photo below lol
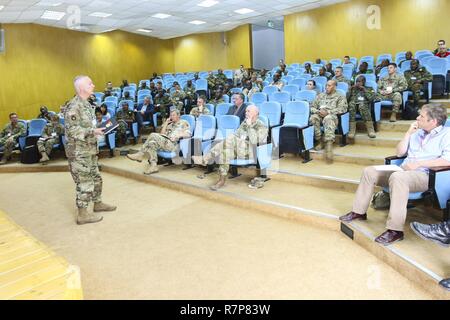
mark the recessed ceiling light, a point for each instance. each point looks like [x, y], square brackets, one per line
[197, 22]
[144, 30]
[207, 3]
[53, 15]
[100, 14]
[244, 11]
[226, 22]
[161, 15]
[1, 7]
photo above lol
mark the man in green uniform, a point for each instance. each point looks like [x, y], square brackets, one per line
[390, 88]
[10, 136]
[416, 78]
[81, 151]
[360, 99]
[50, 136]
[125, 118]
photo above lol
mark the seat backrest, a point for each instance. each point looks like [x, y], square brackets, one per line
[292, 89]
[228, 74]
[222, 108]
[384, 56]
[383, 72]
[372, 84]
[342, 86]
[258, 98]
[348, 73]
[210, 107]
[297, 113]
[341, 92]
[271, 110]
[144, 92]
[132, 93]
[288, 78]
[306, 95]
[226, 125]
[270, 89]
[336, 61]
[201, 84]
[236, 90]
[281, 97]
[226, 98]
[36, 126]
[406, 65]
[368, 59]
[437, 66]
[300, 82]
[191, 120]
[130, 104]
[321, 80]
[205, 127]
[318, 87]
[112, 99]
[369, 77]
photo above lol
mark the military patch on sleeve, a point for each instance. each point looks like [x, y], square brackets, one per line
[73, 117]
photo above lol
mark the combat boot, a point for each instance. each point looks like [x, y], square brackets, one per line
[85, 217]
[370, 129]
[329, 152]
[219, 184]
[352, 132]
[44, 158]
[136, 156]
[319, 145]
[393, 117]
[151, 168]
[101, 206]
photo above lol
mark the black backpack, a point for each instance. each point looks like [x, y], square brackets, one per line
[411, 111]
[30, 153]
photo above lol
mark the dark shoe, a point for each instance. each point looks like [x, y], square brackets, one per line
[389, 237]
[353, 216]
[438, 233]
[445, 283]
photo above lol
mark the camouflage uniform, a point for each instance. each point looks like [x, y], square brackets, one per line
[50, 137]
[177, 98]
[211, 81]
[81, 151]
[359, 73]
[360, 101]
[124, 118]
[422, 75]
[335, 104]
[158, 141]
[164, 103]
[9, 137]
[343, 79]
[190, 92]
[238, 145]
[196, 111]
[221, 79]
[398, 84]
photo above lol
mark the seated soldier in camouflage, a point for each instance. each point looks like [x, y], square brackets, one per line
[324, 111]
[363, 69]
[390, 88]
[125, 118]
[172, 131]
[417, 78]
[384, 63]
[190, 95]
[50, 136]
[408, 57]
[211, 79]
[43, 114]
[329, 69]
[177, 97]
[323, 73]
[218, 97]
[162, 103]
[360, 99]
[221, 78]
[201, 108]
[309, 70]
[239, 145]
[339, 76]
[9, 136]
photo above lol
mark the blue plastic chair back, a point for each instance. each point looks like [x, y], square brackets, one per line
[201, 84]
[227, 125]
[292, 89]
[236, 90]
[297, 114]
[300, 82]
[36, 127]
[272, 110]
[210, 107]
[282, 97]
[222, 109]
[306, 95]
[383, 72]
[437, 66]
[270, 89]
[191, 120]
[288, 79]
[226, 98]
[258, 98]
[384, 56]
[373, 85]
[228, 74]
[321, 80]
[343, 86]
[205, 127]
[130, 104]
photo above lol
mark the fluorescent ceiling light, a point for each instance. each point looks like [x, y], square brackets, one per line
[1, 7]
[48, 3]
[100, 14]
[144, 30]
[197, 22]
[208, 3]
[226, 22]
[53, 15]
[161, 15]
[244, 11]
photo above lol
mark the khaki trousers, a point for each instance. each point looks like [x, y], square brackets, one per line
[400, 184]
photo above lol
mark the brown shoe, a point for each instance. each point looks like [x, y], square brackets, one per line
[389, 237]
[393, 117]
[353, 216]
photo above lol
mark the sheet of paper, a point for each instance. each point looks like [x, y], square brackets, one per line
[389, 167]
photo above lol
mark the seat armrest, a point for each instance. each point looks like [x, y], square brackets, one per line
[389, 160]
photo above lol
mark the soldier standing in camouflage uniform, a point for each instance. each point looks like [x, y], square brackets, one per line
[361, 98]
[200, 109]
[324, 110]
[162, 104]
[177, 98]
[50, 136]
[81, 151]
[172, 131]
[125, 118]
[10, 135]
[416, 78]
[238, 145]
[390, 88]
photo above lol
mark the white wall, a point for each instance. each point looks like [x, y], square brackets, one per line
[268, 47]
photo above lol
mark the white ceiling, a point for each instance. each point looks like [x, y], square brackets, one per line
[131, 15]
